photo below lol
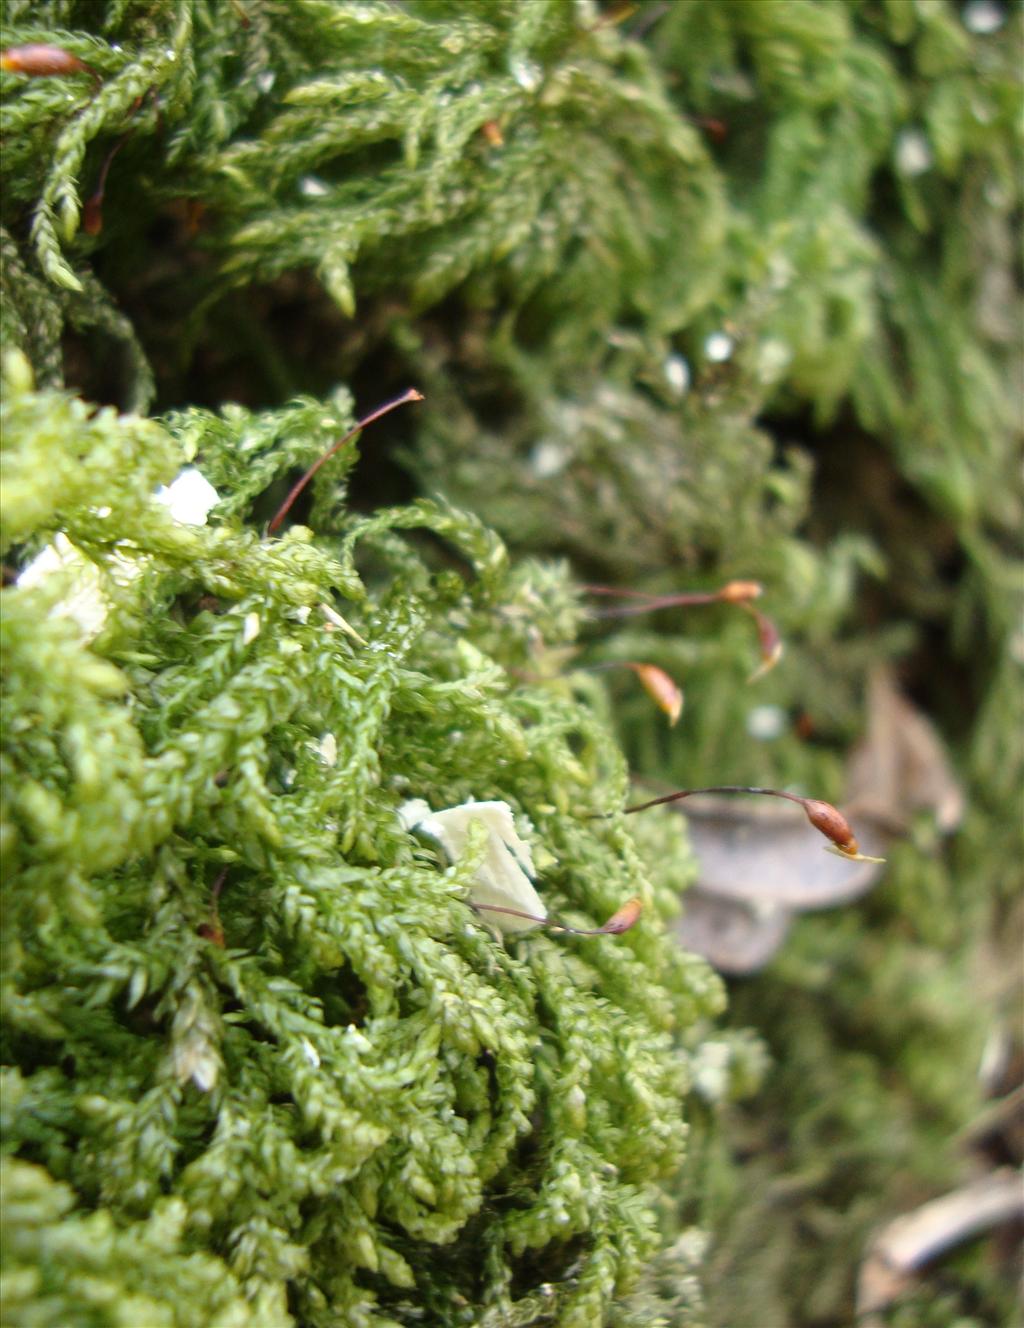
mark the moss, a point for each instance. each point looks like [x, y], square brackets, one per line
[353, 1098]
[694, 291]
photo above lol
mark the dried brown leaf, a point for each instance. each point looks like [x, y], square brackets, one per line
[902, 766]
[902, 1247]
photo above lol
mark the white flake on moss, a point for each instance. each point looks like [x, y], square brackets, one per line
[85, 602]
[188, 499]
[503, 879]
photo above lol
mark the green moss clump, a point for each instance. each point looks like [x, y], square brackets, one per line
[335, 1095]
[63, 1266]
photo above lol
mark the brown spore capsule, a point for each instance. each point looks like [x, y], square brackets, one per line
[40, 61]
[832, 824]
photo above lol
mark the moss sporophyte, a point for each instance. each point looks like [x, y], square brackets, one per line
[823, 816]
[39, 61]
[410, 395]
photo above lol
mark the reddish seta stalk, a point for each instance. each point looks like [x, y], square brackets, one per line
[297, 488]
[92, 211]
[739, 593]
[213, 930]
[620, 921]
[825, 818]
[733, 592]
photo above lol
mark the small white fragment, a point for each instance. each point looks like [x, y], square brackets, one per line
[56, 556]
[416, 815]
[190, 497]
[765, 722]
[311, 186]
[718, 347]
[710, 1068]
[194, 1058]
[338, 621]
[353, 1036]
[250, 628]
[983, 17]
[503, 879]
[310, 1052]
[328, 749]
[913, 153]
[995, 1057]
[85, 603]
[301, 614]
[548, 459]
[265, 80]
[103, 512]
[677, 374]
[773, 358]
[204, 1073]
[526, 74]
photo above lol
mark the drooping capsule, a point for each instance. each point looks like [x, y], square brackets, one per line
[39, 61]
[661, 688]
[769, 641]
